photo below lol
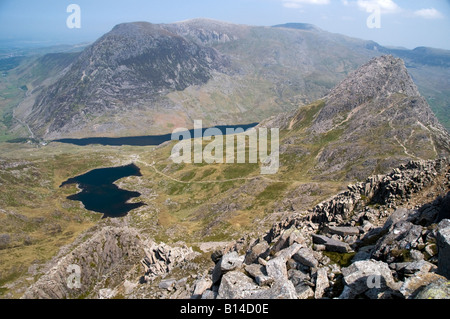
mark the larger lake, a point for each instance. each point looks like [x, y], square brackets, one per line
[101, 195]
[150, 140]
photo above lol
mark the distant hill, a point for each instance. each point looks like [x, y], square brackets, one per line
[142, 78]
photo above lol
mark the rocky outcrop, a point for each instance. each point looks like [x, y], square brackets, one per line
[110, 251]
[353, 249]
[104, 259]
[161, 258]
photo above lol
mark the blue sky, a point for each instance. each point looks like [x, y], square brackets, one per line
[407, 23]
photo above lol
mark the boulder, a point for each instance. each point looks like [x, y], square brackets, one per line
[228, 262]
[200, 287]
[443, 243]
[305, 256]
[397, 216]
[363, 276]
[342, 231]
[276, 268]
[322, 283]
[283, 240]
[260, 250]
[259, 273]
[283, 289]
[402, 237]
[287, 253]
[236, 285]
[421, 266]
[167, 284]
[413, 286]
[439, 289]
[331, 244]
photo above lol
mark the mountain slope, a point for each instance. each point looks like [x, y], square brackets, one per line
[142, 78]
[374, 119]
[381, 121]
[130, 67]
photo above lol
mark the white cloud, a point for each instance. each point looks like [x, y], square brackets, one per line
[295, 4]
[431, 13]
[385, 6]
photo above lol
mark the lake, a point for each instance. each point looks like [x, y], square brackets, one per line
[150, 140]
[101, 195]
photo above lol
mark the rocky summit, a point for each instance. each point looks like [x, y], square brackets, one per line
[377, 110]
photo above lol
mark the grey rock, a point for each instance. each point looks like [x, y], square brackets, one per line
[416, 255]
[288, 252]
[413, 286]
[282, 289]
[264, 280]
[364, 253]
[439, 289]
[322, 283]
[260, 250]
[167, 284]
[402, 237]
[399, 215]
[228, 262]
[331, 244]
[418, 266]
[259, 273]
[443, 243]
[283, 240]
[319, 247]
[231, 261]
[306, 257]
[209, 294]
[200, 287]
[298, 277]
[342, 231]
[111, 249]
[5, 239]
[304, 292]
[362, 276]
[276, 268]
[236, 285]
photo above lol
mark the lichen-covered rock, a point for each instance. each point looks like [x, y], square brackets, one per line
[415, 287]
[362, 276]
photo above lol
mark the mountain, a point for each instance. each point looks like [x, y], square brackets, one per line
[129, 67]
[142, 78]
[372, 120]
[224, 230]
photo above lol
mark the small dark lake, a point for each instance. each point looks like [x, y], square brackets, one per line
[99, 194]
[150, 140]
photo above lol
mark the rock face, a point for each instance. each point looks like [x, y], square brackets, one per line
[107, 253]
[368, 277]
[161, 258]
[132, 65]
[104, 260]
